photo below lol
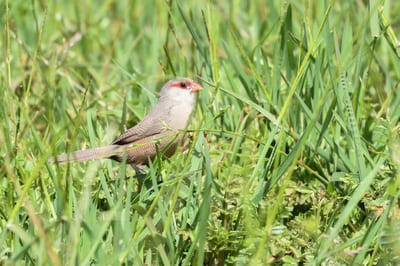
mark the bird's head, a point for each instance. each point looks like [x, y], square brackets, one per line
[180, 89]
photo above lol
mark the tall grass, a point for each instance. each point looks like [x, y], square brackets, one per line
[294, 143]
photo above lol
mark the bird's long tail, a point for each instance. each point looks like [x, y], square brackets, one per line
[85, 155]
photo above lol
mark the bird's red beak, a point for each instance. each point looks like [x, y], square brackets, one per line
[195, 87]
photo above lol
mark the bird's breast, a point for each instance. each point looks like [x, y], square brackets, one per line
[179, 115]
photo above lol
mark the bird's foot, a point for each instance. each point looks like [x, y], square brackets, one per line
[140, 171]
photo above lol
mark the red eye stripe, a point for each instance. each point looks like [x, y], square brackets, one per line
[179, 83]
[192, 86]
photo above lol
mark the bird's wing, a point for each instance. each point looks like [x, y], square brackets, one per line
[156, 121]
[149, 126]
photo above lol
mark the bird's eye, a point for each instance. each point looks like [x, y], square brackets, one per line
[183, 85]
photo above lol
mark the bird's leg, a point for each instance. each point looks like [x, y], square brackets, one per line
[141, 174]
[140, 171]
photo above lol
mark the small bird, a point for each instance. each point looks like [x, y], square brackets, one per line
[157, 132]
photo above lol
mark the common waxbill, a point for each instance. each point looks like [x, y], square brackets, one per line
[157, 132]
